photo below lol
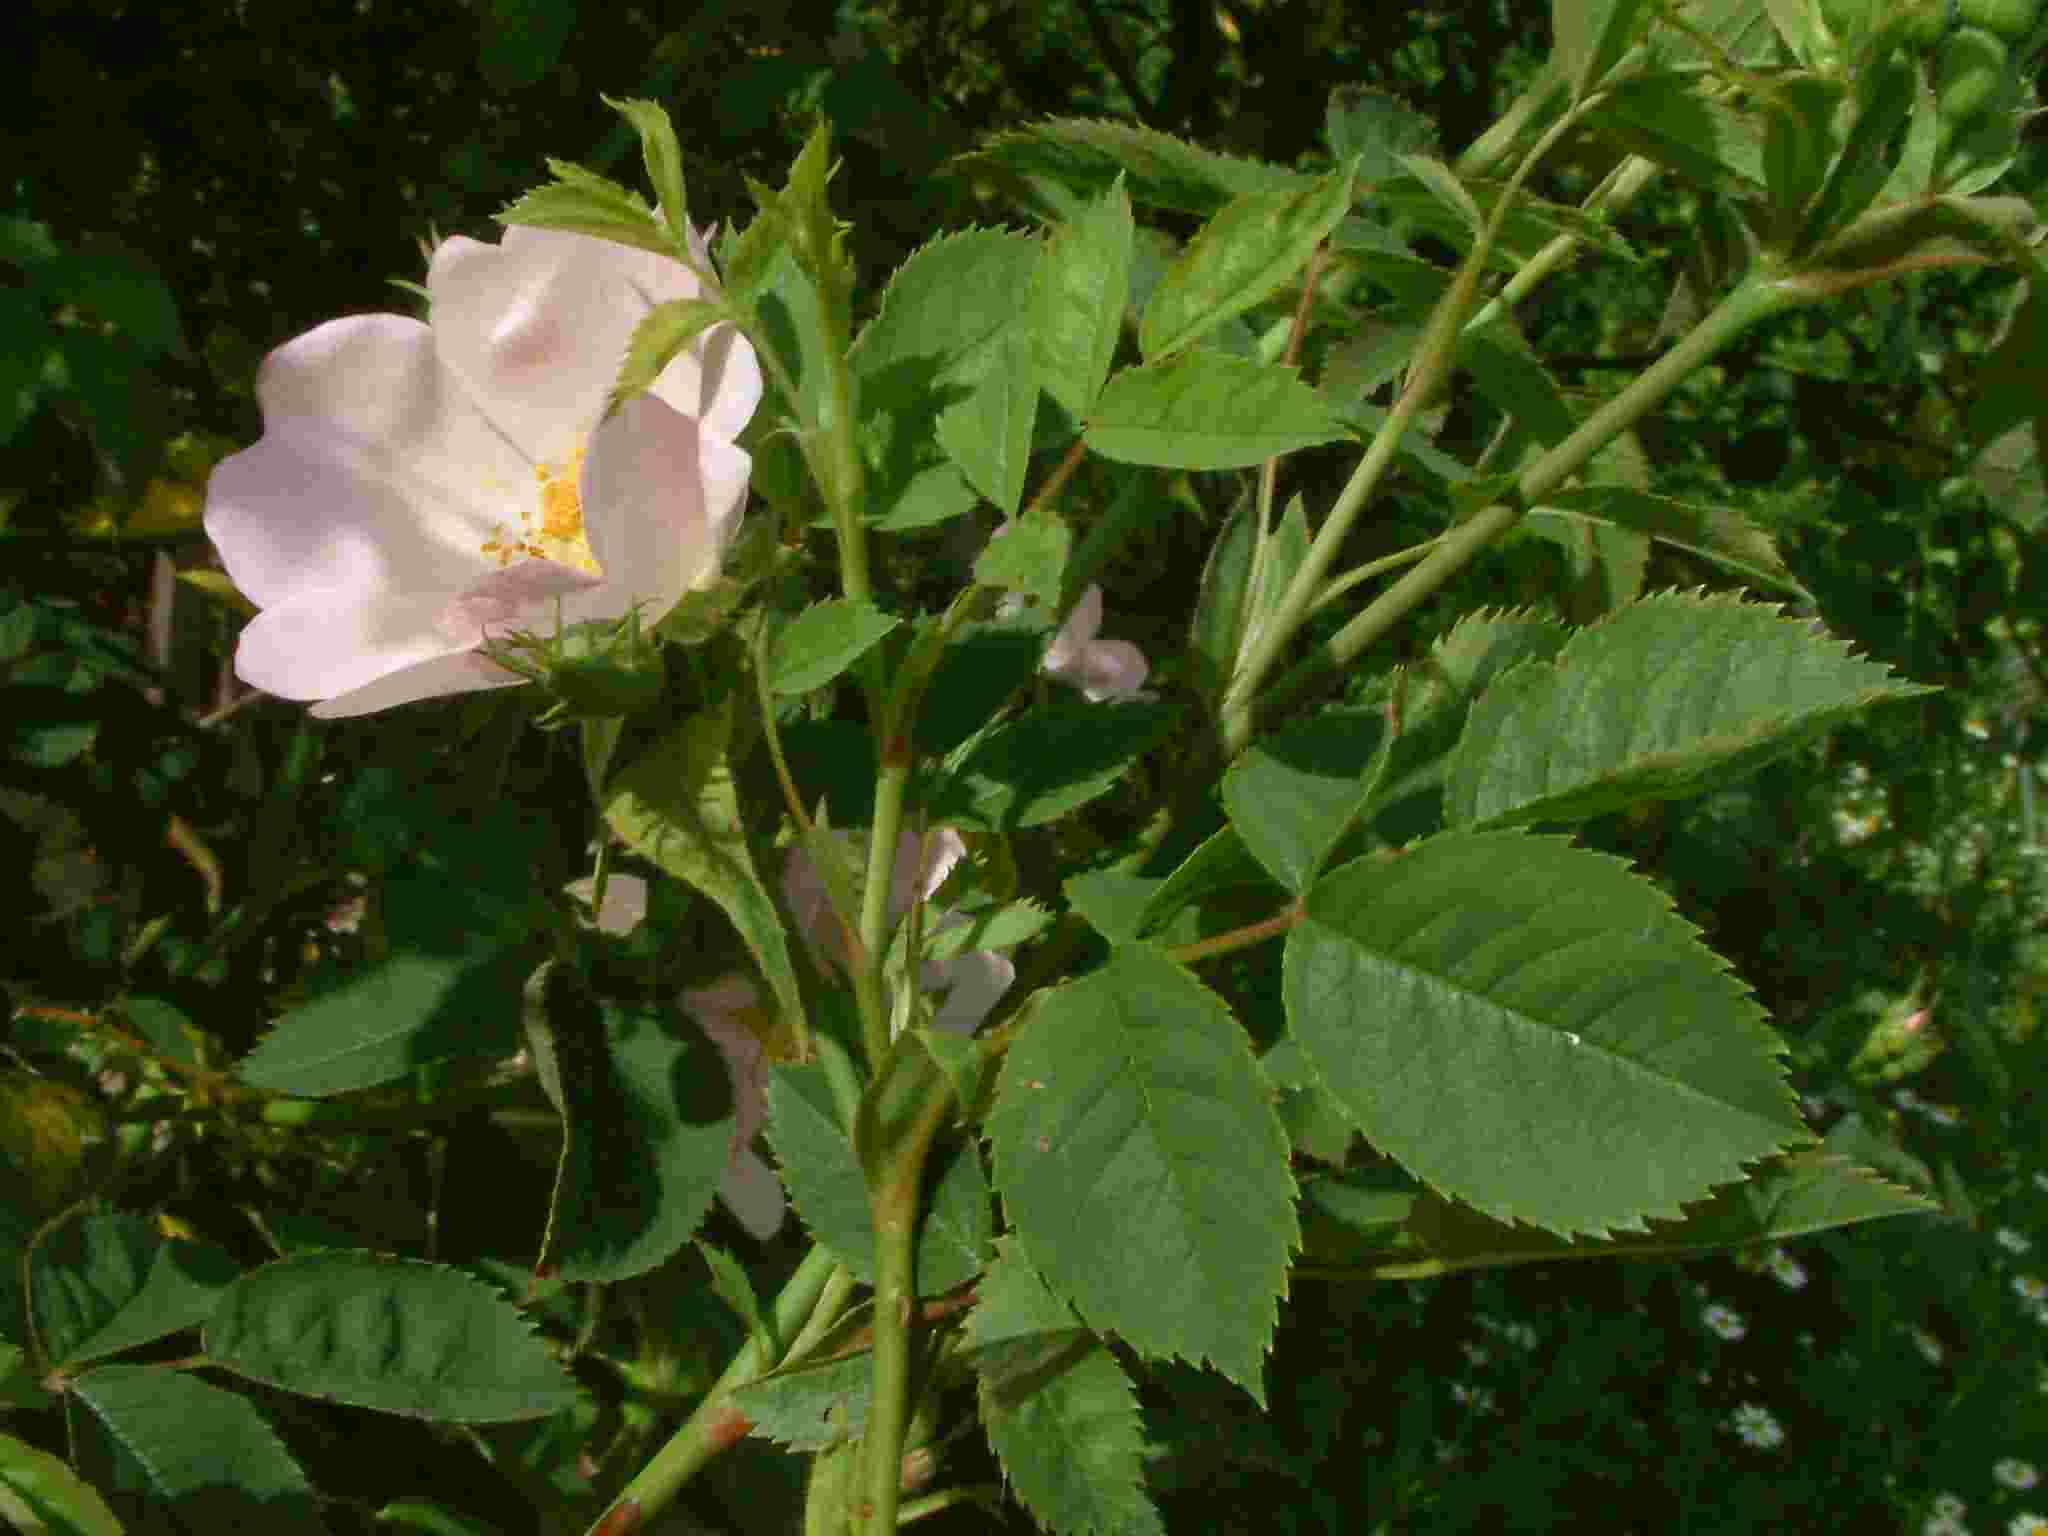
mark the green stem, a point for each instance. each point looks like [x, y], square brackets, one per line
[1755, 300]
[1436, 354]
[716, 1424]
[892, 778]
[893, 1199]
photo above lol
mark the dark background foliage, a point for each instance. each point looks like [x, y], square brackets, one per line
[188, 185]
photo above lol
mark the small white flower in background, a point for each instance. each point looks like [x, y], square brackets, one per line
[1947, 1506]
[2013, 1473]
[730, 1014]
[1788, 1271]
[1942, 1116]
[421, 488]
[1725, 1321]
[2027, 1523]
[1906, 1098]
[1101, 669]
[2030, 1288]
[1478, 1399]
[1757, 1426]
[1943, 1525]
[2041, 1180]
[2011, 1241]
[1929, 1346]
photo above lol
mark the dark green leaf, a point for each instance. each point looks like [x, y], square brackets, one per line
[1142, 1165]
[390, 1334]
[1528, 1027]
[1027, 772]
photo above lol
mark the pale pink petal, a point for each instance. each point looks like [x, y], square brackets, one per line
[1101, 669]
[718, 1010]
[1076, 633]
[752, 1192]
[973, 982]
[625, 901]
[922, 865]
[441, 678]
[1111, 669]
[661, 500]
[537, 325]
[804, 889]
[372, 473]
[325, 642]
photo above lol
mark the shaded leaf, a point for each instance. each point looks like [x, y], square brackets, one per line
[390, 1334]
[1027, 772]
[206, 1453]
[676, 806]
[1725, 537]
[1086, 155]
[39, 1493]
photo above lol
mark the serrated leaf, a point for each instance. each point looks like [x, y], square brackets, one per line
[647, 1132]
[813, 1405]
[1798, 142]
[1083, 281]
[664, 333]
[1027, 772]
[82, 1275]
[663, 157]
[1725, 537]
[588, 204]
[1667, 698]
[1060, 1413]
[988, 434]
[1207, 410]
[184, 1283]
[1294, 794]
[729, 1283]
[1251, 249]
[40, 1494]
[194, 1442]
[1375, 127]
[1221, 863]
[994, 927]
[949, 306]
[1110, 901]
[1528, 1027]
[1805, 1192]
[390, 1334]
[1086, 155]
[814, 1145]
[1143, 1168]
[410, 1010]
[676, 806]
[823, 641]
[1515, 382]
[929, 497]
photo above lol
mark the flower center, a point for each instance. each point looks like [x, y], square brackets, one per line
[554, 529]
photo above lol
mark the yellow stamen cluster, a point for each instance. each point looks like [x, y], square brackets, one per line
[560, 536]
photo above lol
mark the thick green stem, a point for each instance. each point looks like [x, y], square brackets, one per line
[717, 1424]
[1755, 300]
[893, 1200]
